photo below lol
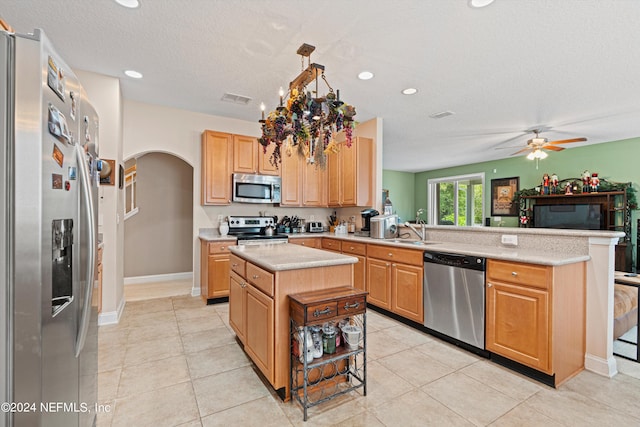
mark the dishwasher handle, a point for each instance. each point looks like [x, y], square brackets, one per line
[456, 260]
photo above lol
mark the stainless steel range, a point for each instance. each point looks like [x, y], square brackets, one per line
[253, 230]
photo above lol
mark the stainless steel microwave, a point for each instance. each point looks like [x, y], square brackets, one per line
[249, 188]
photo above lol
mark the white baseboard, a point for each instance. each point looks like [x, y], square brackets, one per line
[112, 317]
[136, 280]
[606, 368]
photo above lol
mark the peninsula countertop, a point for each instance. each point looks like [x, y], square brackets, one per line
[286, 256]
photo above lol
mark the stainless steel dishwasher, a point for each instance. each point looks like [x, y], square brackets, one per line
[454, 296]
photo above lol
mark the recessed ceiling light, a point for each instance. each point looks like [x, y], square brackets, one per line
[133, 74]
[131, 4]
[365, 75]
[410, 91]
[479, 3]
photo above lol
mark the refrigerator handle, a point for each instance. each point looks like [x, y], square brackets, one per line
[87, 199]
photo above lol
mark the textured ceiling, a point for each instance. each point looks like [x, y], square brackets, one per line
[570, 66]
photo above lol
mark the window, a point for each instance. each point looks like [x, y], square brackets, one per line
[130, 196]
[456, 200]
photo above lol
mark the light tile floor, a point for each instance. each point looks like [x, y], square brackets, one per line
[175, 362]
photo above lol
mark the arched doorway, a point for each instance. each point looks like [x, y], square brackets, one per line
[158, 238]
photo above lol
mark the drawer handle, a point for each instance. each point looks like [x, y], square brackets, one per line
[234, 265]
[489, 285]
[318, 313]
[514, 273]
[390, 254]
[222, 248]
[255, 276]
[351, 247]
[354, 305]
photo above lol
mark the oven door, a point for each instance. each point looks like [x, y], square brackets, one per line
[256, 188]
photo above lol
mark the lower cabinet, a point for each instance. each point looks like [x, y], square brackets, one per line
[535, 315]
[395, 280]
[238, 310]
[259, 330]
[214, 269]
[310, 242]
[358, 250]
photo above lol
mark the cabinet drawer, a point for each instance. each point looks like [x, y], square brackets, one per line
[390, 253]
[238, 265]
[310, 242]
[219, 247]
[262, 279]
[354, 248]
[351, 306]
[538, 276]
[332, 244]
[319, 312]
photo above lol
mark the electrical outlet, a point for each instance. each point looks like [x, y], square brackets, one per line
[312, 217]
[510, 239]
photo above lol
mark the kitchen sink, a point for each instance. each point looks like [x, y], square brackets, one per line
[412, 242]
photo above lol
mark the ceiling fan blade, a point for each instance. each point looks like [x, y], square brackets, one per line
[553, 148]
[523, 150]
[566, 141]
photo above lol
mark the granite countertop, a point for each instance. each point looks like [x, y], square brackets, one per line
[285, 256]
[517, 254]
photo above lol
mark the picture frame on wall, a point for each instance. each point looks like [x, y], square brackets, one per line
[502, 192]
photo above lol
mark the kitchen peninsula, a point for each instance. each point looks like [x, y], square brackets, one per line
[262, 278]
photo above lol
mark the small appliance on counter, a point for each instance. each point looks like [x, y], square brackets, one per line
[384, 227]
[314, 227]
[367, 214]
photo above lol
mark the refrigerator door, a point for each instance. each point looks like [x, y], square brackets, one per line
[6, 106]
[52, 266]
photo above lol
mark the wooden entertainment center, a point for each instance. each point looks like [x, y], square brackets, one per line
[614, 209]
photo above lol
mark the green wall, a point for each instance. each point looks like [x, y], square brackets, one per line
[617, 161]
[401, 186]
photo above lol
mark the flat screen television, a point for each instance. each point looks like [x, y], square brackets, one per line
[580, 216]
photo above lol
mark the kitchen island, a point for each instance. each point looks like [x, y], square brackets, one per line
[262, 278]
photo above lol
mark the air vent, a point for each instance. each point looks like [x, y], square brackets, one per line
[236, 99]
[441, 114]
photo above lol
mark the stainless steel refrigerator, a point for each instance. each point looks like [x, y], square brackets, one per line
[48, 228]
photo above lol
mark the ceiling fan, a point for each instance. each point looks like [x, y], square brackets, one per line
[537, 144]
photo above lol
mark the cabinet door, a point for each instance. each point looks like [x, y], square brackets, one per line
[348, 174]
[379, 283]
[360, 273]
[517, 324]
[237, 305]
[333, 172]
[245, 154]
[260, 331]
[218, 276]
[264, 161]
[217, 153]
[406, 292]
[291, 181]
[314, 190]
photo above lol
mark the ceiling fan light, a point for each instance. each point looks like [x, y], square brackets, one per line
[542, 154]
[531, 155]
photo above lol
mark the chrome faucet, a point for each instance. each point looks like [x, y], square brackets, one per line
[422, 234]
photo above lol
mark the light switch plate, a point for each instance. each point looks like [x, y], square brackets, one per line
[510, 240]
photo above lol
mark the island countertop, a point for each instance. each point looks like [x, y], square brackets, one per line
[285, 256]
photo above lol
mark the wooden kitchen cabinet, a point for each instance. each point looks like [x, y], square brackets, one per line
[259, 311]
[217, 166]
[332, 244]
[214, 269]
[238, 310]
[358, 250]
[535, 315]
[351, 180]
[395, 280]
[302, 184]
[310, 242]
[250, 157]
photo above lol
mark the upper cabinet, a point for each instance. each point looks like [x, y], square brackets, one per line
[250, 157]
[351, 174]
[217, 155]
[303, 184]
